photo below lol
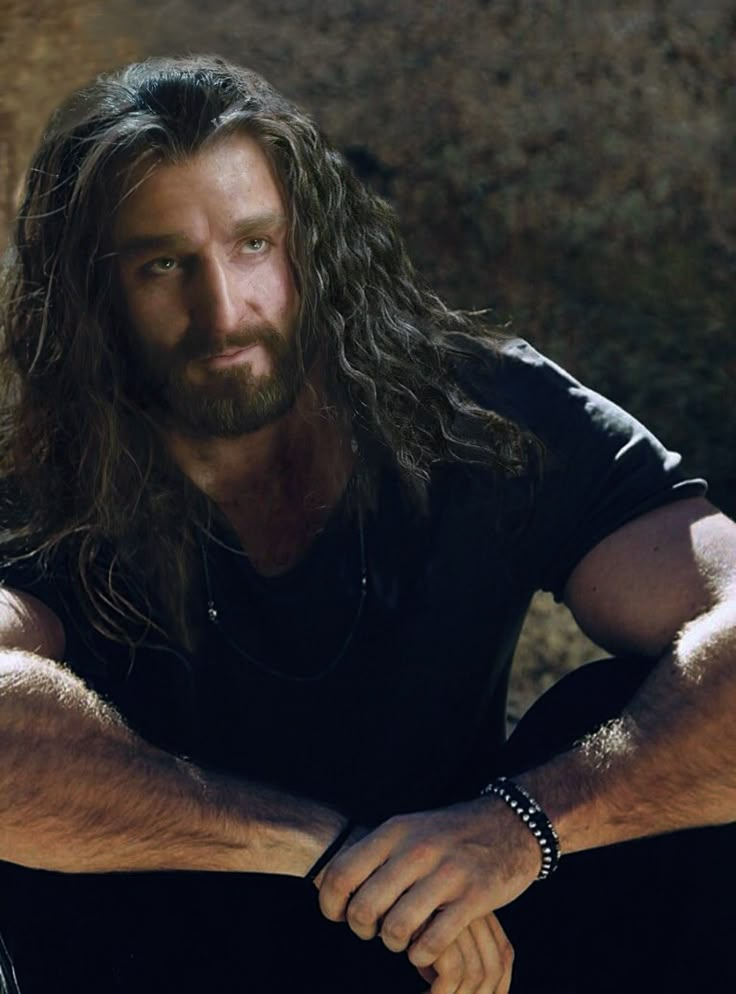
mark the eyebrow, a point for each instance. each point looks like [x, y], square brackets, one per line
[140, 244]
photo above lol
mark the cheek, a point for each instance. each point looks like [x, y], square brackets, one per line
[152, 318]
[288, 295]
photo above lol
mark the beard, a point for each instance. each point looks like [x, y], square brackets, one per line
[220, 403]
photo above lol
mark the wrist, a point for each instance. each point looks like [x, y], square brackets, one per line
[572, 799]
[264, 830]
[328, 854]
[300, 846]
[530, 813]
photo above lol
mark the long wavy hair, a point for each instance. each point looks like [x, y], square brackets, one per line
[90, 476]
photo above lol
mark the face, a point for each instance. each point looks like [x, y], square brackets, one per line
[208, 291]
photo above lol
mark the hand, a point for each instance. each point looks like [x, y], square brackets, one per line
[479, 961]
[359, 832]
[430, 874]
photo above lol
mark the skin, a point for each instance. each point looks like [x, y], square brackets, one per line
[665, 584]
[204, 268]
[429, 882]
[224, 275]
[424, 879]
[207, 284]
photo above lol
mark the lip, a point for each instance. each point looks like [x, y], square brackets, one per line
[231, 358]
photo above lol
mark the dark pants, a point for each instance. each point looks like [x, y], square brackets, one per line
[646, 917]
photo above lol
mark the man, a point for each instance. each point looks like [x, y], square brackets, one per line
[273, 516]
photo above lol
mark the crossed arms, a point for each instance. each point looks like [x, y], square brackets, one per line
[664, 584]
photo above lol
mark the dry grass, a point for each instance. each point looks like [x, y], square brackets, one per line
[551, 645]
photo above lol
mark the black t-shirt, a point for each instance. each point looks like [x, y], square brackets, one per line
[412, 714]
[420, 687]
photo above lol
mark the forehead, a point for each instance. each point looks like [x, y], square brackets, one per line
[229, 179]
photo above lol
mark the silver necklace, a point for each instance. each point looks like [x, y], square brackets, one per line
[213, 617]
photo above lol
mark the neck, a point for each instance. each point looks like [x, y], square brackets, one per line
[277, 486]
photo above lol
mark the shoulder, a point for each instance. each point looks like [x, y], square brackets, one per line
[32, 590]
[601, 467]
[577, 426]
[517, 381]
[29, 624]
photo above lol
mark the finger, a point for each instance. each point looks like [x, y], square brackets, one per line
[455, 908]
[348, 870]
[501, 951]
[449, 969]
[429, 974]
[491, 966]
[358, 832]
[376, 897]
[486, 944]
[417, 910]
[473, 969]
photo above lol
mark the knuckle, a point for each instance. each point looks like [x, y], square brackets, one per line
[449, 977]
[397, 933]
[427, 950]
[448, 872]
[396, 825]
[329, 906]
[335, 881]
[417, 956]
[361, 914]
[423, 851]
[477, 897]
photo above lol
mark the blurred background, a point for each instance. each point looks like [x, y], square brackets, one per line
[570, 165]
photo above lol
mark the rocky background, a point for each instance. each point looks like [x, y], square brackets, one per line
[568, 164]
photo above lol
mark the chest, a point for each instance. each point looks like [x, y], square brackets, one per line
[370, 701]
[276, 530]
[374, 704]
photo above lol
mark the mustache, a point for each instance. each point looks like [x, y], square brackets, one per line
[199, 345]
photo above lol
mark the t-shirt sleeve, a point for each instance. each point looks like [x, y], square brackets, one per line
[600, 467]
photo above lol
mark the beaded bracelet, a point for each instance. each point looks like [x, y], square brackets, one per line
[524, 805]
[330, 851]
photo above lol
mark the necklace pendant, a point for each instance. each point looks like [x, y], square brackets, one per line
[212, 612]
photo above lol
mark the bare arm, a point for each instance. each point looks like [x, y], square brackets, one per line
[664, 585]
[79, 792]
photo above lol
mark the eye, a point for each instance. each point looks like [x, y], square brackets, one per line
[157, 267]
[253, 246]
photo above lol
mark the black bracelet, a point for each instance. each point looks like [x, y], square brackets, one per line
[329, 852]
[524, 805]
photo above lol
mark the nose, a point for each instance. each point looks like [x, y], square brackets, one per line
[218, 302]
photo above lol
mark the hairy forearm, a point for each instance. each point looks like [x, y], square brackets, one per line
[668, 763]
[79, 792]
